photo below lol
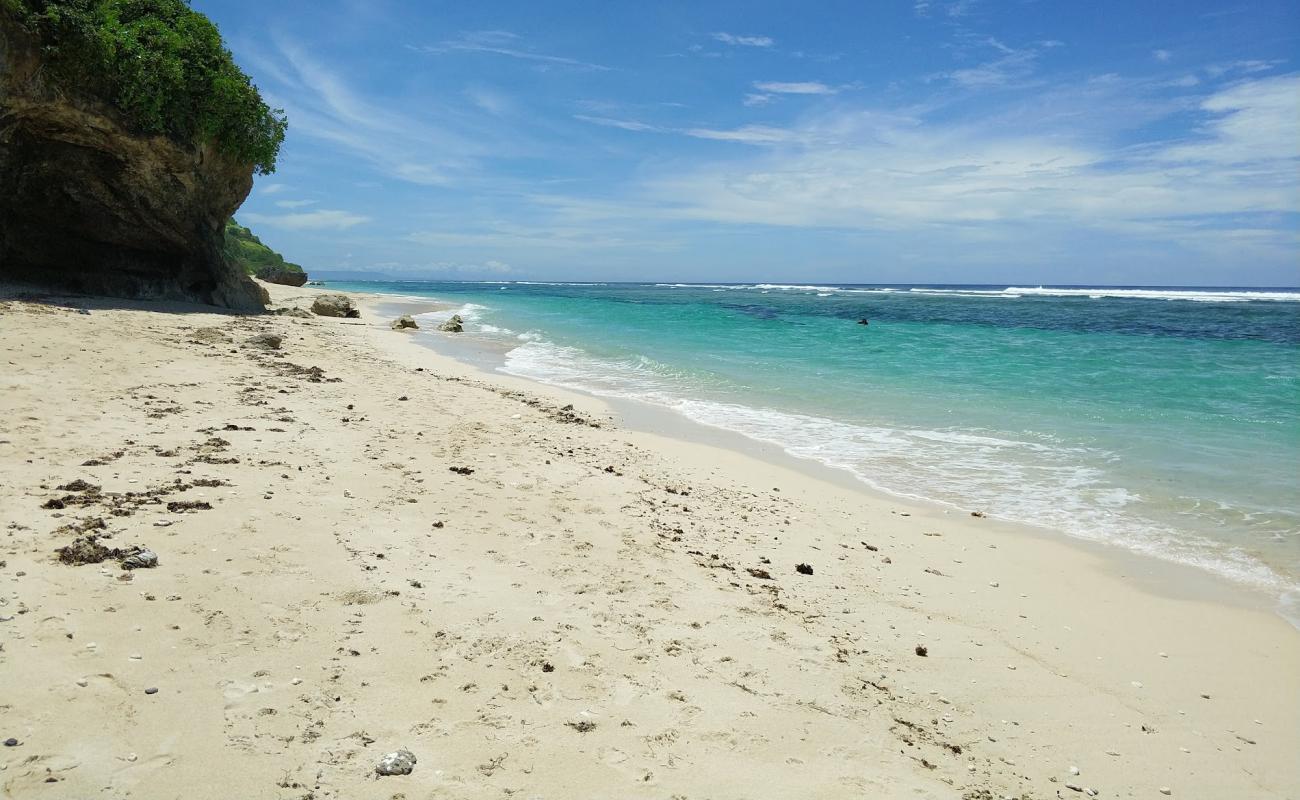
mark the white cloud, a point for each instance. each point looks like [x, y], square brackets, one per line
[798, 87]
[1247, 67]
[1161, 55]
[753, 99]
[1012, 65]
[749, 134]
[294, 203]
[608, 122]
[893, 172]
[491, 101]
[1253, 122]
[272, 188]
[504, 43]
[323, 219]
[744, 41]
[427, 143]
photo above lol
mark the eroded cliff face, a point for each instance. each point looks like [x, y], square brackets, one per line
[88, 205]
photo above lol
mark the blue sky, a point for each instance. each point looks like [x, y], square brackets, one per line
[913, 141]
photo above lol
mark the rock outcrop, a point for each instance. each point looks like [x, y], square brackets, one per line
[453, 325]
[405, 322]
[334, 305]
[281, 275]
[246, 251]
[90, 205]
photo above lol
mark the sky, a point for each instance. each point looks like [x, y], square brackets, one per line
[1121, 142]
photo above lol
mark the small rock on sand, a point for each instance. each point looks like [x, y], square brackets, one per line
[144, 558]
[404, 322]
[803, 569]
[453, 325]
[264, 341]
[400, 762]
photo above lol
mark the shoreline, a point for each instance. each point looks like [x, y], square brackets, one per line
[400, 552]
[1165, 576]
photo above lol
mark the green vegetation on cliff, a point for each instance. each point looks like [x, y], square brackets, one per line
[162, 64]
[244, 249]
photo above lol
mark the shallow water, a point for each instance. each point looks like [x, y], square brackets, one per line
[1165, 420]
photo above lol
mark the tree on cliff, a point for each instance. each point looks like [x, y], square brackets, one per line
[162, 65]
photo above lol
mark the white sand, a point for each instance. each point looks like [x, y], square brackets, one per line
[315, 618]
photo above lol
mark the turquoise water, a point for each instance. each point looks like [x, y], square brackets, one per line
[1163, 420]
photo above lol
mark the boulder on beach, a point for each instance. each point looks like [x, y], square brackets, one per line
[334, 305]
[404, 322]
[281, 275]
[453, 325]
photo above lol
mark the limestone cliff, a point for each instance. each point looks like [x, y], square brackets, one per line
[90, 204]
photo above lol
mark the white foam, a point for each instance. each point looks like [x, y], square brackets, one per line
[1197, 295]
[1036, 482]
[469, 312]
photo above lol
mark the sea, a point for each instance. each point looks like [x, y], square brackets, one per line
[1163, 420]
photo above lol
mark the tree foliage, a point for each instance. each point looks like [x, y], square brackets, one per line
[163, 65]
[243, 248]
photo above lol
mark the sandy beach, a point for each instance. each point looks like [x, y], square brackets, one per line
[364, 546]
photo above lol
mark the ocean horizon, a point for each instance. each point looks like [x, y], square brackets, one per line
[1162, 420]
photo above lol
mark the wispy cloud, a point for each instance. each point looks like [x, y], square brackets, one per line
[1011, 65]
[309, 221]
[504, 43]
[624, 124]
[272, 188]
[1161, 55]
[749, 134]
[294, 203]
[953, 9]
[744, 41]
[433, 143]
[797, 87]
[891, 172]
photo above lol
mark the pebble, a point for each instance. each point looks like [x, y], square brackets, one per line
[151, 690]
[296, 681]
[11, 742]
[400, 762]
[1166, 790]
[1074, 770]
[82, 682]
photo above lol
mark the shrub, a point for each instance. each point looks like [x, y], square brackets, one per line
[163, 65]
